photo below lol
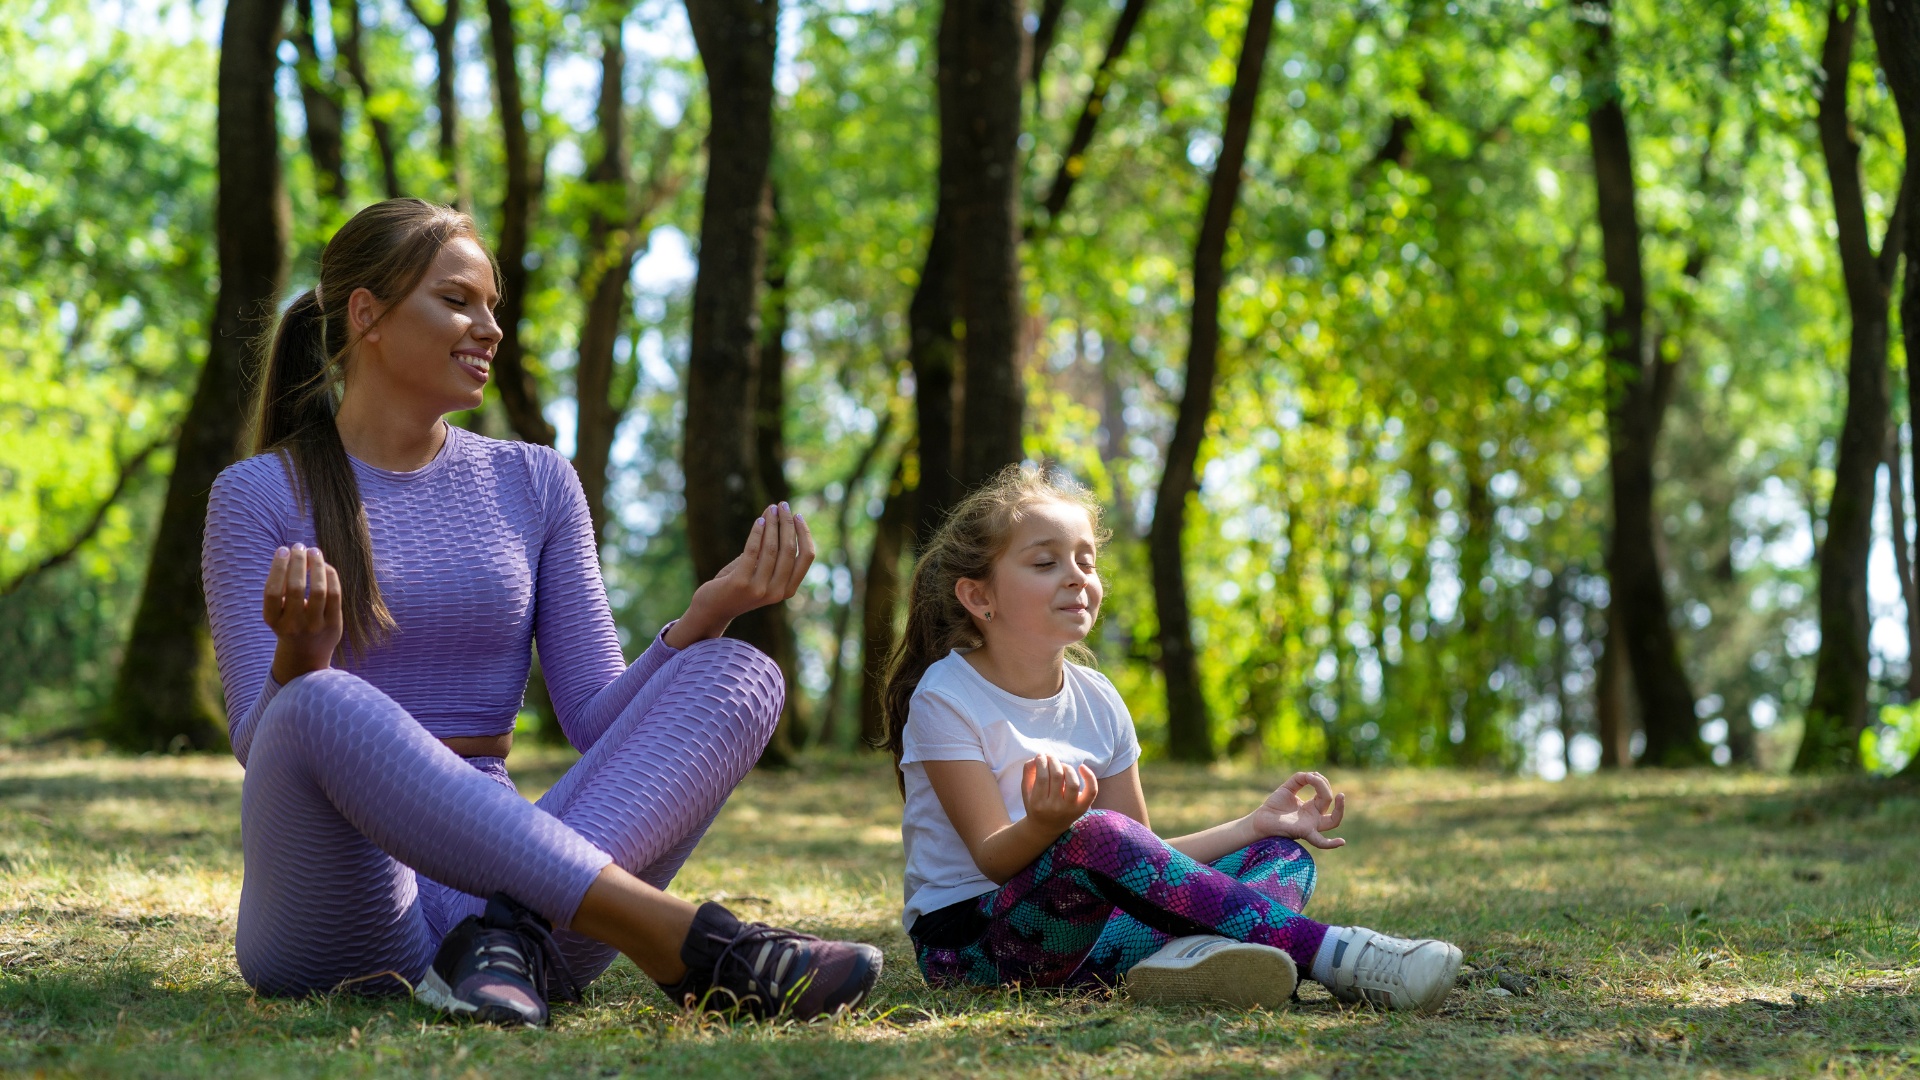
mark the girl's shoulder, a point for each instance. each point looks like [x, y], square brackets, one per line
[950, 677]
[1097, 685]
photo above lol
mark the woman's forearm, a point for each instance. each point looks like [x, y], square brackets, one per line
[1210, 844]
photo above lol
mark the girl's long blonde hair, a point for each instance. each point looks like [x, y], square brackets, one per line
[968, 542]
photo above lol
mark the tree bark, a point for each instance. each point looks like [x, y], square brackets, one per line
[881, 601]
[1042, 43]
[1638, 383]
[1837, 712]
[1896, 32]
[933, 353]
[1612, 711]
[1189, 731]
[826, 728]
[1074, 161]
[519, 391]
[979, 136]
[325, 114]
[603, 284]
[771, 628]
[349, 51]
[445, 102]
[1902, 554]
[167, 690]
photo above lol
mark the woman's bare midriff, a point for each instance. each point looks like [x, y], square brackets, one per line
[480, 745]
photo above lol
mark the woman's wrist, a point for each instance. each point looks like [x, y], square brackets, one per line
[695, 626]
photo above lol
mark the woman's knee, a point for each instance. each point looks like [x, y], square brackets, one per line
[742, 674]
[316, 702]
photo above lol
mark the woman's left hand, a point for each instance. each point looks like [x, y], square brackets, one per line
[1283, 814]
[778, 554]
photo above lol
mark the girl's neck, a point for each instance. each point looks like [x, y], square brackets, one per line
[1027, 673]
[392, 438]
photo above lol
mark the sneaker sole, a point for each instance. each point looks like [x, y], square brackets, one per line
[1245, 976]
[434, 991]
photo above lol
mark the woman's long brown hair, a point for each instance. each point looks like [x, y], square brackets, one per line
[386, 249]
[966, 545]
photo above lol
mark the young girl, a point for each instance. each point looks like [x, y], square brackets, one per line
[1029, 855]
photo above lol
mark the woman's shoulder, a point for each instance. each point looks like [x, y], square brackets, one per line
[263, 478]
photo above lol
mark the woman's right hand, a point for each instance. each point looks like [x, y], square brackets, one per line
[302, 605]
[1056, 794]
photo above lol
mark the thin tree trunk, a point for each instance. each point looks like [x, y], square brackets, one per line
[1563, 718]
[1902, 554]
[349, 50]
[771, 628]
[1042, 43]
[1837, 712]
[519, 391]
[444, 100]
[603, 284]
[1482, 741]
[1638, 383]
[827, 728]
[979, 137]
[881, 601]
[934, 353]
[1189, 731]
[167, 689]
[1896, 33]
[1074, 161]
[325, 114]
[1611, 709]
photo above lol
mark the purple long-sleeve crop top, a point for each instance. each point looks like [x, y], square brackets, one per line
[485, 550]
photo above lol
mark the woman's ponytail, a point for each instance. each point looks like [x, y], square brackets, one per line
[386, 249]
[966, 545]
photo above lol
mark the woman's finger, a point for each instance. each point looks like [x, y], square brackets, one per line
[296, 594]
[803, 561]
[273, 601]
[766, 533]
[783, 562]
[331, 617]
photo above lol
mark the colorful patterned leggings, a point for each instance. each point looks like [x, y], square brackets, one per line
[1109, 893]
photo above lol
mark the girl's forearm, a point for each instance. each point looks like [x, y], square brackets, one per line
[1005, 852]
[1210, 844]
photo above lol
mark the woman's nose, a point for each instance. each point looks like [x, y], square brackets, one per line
[487, 328]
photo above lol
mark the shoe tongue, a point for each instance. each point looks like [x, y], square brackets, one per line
[713, 928]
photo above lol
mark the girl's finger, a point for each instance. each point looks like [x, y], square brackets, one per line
[274, 599]
[1332, 820]
[1029, 777]
[1325, 843]
[1322, 792]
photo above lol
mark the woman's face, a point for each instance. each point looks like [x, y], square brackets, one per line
[434, 347]
[1045, 592]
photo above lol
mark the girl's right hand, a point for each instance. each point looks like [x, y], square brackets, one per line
[302, 605]
[1056, 795]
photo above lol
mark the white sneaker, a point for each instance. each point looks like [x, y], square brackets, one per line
[1210, 968]
[1392, 972]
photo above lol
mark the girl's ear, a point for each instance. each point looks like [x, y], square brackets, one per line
[972, 595]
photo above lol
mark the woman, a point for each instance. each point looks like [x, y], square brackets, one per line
[373, 705]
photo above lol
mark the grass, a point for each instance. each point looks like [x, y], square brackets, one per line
[1658, 925]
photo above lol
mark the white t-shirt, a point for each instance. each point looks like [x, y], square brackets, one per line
[957, 715]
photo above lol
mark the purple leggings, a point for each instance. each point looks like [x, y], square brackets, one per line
[366, 839]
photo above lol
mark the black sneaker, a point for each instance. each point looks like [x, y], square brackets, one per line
[499, 968]
[757, 970]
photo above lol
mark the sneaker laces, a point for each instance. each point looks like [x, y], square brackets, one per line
[768, 967]
[525, 948]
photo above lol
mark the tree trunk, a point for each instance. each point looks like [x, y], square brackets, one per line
[166, 693]
[882, 599]
[1482, 739]
[933, 352]
[771, 628]
[1189, 731]
[826, 729]
[979, 137]
[1638, 383]
[724, 489]
[347, 18]
[444, 100]
[1896, 31]
[325, 114]
[1837, 712]
[1074, 161]
[603, 284]
[1611, 708]
[1902, 553]
[1042, 43]
[519, 392]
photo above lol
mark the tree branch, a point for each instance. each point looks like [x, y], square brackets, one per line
[127, 471]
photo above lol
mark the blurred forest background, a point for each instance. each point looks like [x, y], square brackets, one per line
[1515, 385]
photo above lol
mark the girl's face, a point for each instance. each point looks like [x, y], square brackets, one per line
[1045, 592]
[435, 345]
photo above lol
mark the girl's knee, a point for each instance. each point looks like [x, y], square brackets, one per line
[1278, 849]
[1108, 826]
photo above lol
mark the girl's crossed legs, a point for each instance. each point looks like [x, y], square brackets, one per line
[1109, 893]
[346, 796]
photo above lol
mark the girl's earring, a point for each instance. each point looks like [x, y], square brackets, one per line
[989, 616]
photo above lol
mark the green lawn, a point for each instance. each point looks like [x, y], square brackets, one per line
[1692, 924]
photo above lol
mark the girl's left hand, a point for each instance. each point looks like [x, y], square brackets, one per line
[778, 554]
[1283, 814]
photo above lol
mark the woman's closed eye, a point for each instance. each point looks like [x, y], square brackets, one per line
[456, 301]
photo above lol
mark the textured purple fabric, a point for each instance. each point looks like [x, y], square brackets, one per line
[365, 838]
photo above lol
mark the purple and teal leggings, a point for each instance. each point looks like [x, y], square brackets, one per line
[1107, 895]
